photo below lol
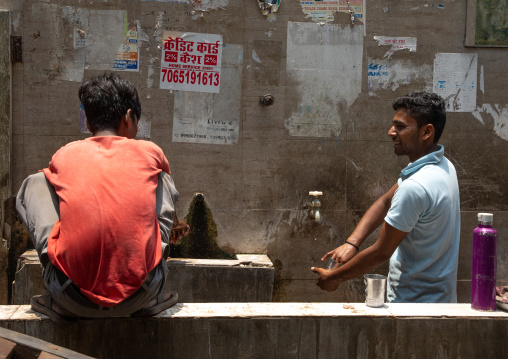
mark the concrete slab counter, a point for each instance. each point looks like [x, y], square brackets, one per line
[248, 278]
[279, 330]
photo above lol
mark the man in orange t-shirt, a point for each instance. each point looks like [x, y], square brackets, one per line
[101, 214]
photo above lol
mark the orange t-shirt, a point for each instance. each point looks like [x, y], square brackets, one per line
[108, 238]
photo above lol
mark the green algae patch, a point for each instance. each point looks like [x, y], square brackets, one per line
[201, 242]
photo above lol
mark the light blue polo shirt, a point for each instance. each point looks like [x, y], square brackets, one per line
[423, 269]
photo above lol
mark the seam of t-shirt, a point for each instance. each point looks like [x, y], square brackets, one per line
[399, 226]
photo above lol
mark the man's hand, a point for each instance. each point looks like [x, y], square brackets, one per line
[324, 281]
[342, 254]
[180, 229]
[388, 241]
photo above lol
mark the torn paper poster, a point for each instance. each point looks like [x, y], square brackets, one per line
[79, 38]
[159, 26]
[55, 25]
[384, 74]
[79, 17]
[396, 43]
[499, 113]
[268, 7]
[207, 5]
[144, 126]
[455, 80]
[191, 61]
[127, 57]
[482, 80]
[104, 38]
[150, 72]
[199, 5]
[99, 47]
[323, 11]
[212, 118]
[173, 1]
[325, 63]
[142, 35]
[94, 36]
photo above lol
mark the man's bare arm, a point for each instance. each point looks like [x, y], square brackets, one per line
[371, 220]
[367, 260]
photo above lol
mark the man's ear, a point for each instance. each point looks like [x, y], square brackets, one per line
[127, 120]
[429, 131]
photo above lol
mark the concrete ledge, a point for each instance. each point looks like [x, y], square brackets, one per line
[249, 278]
[279, 330]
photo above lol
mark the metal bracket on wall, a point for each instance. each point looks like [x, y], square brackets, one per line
[16, 49]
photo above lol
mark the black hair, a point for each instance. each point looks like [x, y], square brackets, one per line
[106, 98]
[426, 108]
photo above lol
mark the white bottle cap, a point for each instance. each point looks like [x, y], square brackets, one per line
[485, 218]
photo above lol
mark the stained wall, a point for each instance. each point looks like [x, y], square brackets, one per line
[333, 81]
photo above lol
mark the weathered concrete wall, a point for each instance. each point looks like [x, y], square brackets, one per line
[5, 147]
[325, 131]
[279, 330]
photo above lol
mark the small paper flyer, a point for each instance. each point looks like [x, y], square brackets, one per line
[191, 61]
[127, 57]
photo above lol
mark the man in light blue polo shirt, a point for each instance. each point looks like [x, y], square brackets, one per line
[420, 214]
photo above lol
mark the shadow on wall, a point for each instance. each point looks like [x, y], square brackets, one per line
[201, 242]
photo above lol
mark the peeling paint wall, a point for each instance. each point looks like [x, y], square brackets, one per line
[332, 75]
[496, 113]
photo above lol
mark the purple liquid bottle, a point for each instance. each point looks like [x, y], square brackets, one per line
[483, 278]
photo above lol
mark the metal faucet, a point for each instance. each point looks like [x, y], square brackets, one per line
[315, 204]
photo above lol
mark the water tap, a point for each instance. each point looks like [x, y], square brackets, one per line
[315, 204]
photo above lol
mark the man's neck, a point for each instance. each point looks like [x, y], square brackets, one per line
[432, 148]
[105, 133]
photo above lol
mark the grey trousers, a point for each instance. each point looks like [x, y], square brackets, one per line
[38, 206]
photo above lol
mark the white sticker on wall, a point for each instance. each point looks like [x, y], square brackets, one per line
[212, 118]
[384, 74]
[324, 11]
[455, 80]
[191, 62]
[396, 44]
[325, 63]
[199, 5]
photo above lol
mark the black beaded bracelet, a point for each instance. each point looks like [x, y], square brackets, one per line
[354, 245]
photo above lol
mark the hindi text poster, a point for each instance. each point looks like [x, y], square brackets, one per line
[191, 62]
